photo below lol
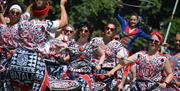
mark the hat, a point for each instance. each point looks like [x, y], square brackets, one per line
[15, 6]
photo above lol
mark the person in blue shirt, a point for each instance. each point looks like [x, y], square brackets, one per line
[129, 29]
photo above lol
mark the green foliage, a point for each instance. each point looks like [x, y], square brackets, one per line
[100, 12]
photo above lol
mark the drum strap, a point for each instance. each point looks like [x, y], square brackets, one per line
[45, 82]
[88, 80]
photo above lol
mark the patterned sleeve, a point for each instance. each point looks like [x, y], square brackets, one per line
[25, 16]
[123, 52]
[52, 25]
[6, 38]
[139, 54]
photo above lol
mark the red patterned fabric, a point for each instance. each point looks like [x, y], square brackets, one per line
[42, 12]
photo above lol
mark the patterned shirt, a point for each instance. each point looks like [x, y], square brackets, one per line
[150, 67]
[113, 48]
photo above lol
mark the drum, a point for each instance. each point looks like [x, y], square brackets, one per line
[64, 85]
[52, 78]
[3, 72]
[99, 86]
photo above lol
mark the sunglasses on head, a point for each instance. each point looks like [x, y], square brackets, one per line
[68, 31]
[108, 28]
[15, 12]
[85, 30]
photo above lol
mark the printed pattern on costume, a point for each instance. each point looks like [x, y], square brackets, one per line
[26, 63]
[27, 67]
[175, 60]
[150, 68]
[44, 32]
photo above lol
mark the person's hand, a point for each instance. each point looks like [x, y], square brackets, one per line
[98, 67]
[63, 2]
[117, 11]
[110, 73]
[162, 85]
[120, 87]
[28, 9]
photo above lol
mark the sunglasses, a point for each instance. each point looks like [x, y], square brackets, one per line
[177, 40]
[85, 30]
[154, 41]
[133, 19]
[116, 38]
[15, 12]
[108, 28]
[68, 31]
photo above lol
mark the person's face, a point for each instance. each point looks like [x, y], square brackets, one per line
[84, 32]
[154, 43]
[68, 31]
[177, 42]
[109, 30]
[39, 2]
[14, 14]
[133, 20]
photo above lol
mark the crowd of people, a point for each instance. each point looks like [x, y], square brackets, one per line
[34, 52]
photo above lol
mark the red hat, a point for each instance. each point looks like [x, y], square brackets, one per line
[159, 35]
[42, 12]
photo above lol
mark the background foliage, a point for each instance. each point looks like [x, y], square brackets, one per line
[99, 12]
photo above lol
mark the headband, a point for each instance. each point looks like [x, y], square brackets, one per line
[15, 6]
[159, 35]
[42, 12]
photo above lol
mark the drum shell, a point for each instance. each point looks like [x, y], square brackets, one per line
[54, 85]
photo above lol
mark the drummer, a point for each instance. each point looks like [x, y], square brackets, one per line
[79, 67]
[27, 56]
[60, 54]
[108, 50]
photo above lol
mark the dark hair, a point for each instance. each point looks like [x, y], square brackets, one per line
[135, 14]
[36, 7]
[83, 24]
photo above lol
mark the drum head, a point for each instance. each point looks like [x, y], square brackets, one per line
[64, 85]
[99, 86]
[52, 78]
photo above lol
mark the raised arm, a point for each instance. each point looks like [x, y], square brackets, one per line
[64, 17]
[121, 20]
[27, 14]
[169, 77]
[2, 19]
[144, 35]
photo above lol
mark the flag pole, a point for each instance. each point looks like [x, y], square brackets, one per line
[169, 26]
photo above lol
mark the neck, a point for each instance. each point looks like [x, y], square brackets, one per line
[12, 23]
[132, 27]
[106, 39]
[82, 41]
[152, 52]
